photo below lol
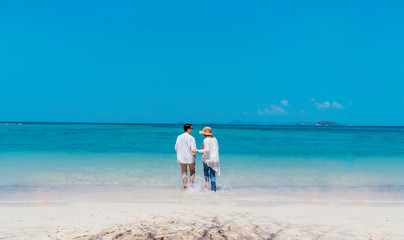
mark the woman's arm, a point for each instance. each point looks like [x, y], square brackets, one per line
[205, 147]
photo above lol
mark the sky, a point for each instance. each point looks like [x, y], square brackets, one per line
[258, 62]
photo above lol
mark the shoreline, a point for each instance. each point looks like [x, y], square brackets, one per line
[141, 193]
[240, 201]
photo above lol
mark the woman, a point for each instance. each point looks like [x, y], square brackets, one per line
[210, 158]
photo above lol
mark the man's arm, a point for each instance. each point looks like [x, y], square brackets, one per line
[176, 145]
[193, 146]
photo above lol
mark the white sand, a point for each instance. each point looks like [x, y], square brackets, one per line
[200, 217]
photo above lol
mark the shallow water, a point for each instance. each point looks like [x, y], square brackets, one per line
[274, 161]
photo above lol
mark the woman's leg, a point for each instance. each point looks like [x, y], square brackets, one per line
[212, 179]
[206, 174]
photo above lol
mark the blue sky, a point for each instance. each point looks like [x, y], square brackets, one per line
[202, 61]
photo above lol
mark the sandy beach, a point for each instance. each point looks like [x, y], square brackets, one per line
[209, 216]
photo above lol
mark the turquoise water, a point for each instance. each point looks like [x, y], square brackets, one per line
[272, 160]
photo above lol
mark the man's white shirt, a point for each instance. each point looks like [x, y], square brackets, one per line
[184, 147]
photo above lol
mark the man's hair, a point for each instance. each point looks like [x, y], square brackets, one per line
[187, 126]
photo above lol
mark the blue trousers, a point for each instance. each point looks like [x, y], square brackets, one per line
[210, 173]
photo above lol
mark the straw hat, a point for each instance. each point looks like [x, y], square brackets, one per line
[207, 131]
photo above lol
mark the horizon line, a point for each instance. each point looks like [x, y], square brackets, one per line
[180, 123]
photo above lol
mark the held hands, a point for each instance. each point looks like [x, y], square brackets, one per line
[196, 150]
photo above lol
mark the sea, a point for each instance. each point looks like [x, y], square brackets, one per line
[57, 161]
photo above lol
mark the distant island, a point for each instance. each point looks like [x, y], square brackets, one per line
[326, 124]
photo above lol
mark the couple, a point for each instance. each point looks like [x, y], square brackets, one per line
[186, 150]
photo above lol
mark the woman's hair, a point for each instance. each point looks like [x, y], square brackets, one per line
[187, 126]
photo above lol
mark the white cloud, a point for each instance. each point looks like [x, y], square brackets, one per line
[284, 102]
[323, 105]
[326, 105]
[337, 105]
[273, 110]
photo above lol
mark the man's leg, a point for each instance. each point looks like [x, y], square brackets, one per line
[192, 173]
[184, 174]
[212, 179]
[206, 174]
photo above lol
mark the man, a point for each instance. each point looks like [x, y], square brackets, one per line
[186, 149]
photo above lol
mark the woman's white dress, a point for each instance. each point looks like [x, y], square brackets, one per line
[211, 153]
